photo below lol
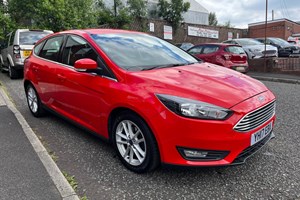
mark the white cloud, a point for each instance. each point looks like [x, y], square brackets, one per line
[240, 13]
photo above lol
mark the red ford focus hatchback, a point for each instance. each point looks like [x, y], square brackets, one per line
[231, 56]
[154, 102]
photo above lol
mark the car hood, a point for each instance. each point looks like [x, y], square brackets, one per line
[260, 47]
[204, 82]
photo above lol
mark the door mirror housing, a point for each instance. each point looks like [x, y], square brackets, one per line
[85, 64]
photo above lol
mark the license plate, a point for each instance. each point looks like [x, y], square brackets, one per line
[296, 51]
[26, 53]
[261, 134]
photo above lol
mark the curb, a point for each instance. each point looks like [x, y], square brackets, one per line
[62, 185]
[273, 79]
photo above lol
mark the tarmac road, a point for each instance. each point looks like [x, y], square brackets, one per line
[272, 173]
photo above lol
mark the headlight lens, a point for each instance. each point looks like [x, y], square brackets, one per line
[192, 108]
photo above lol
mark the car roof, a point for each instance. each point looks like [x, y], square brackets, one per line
[99, 31]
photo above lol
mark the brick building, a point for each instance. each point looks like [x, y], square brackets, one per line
[282, 28]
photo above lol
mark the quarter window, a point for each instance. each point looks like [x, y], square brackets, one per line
[51, 48]
[77, 48]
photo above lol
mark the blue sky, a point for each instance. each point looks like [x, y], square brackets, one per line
[242, 12]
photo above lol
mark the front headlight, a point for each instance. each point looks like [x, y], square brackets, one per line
[192, 108]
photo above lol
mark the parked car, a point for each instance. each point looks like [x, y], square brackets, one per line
[17, 48]
[185, 46]
[285, 49]
[254, 48]
[227, 55]
[153, 101]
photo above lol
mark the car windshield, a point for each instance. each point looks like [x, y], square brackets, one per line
[31, 37]
[137, 52]
[245, 42]
[280, 41]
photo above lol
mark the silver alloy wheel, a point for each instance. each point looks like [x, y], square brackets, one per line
[32, 100]
[9, 70]
[131, 142]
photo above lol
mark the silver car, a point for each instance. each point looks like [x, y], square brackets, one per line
[254, 48]
[17, 48]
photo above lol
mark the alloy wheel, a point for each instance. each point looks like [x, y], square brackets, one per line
[131, 142]
[32, 100]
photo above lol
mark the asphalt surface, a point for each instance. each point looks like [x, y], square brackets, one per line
[272, 173]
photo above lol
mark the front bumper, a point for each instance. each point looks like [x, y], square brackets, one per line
[210, 135]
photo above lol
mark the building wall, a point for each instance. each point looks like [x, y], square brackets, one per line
[282, 29]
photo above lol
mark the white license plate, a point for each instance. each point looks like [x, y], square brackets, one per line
[261, 134]
[296, 51]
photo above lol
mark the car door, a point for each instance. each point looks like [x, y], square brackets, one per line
[44, 68]
[79, 95]
[209, 53]
[196, 51]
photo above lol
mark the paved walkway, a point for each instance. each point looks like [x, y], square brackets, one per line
[26, 169]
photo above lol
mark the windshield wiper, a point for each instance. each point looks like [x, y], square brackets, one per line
[169, 65]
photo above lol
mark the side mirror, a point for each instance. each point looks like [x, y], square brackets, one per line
[85, 64]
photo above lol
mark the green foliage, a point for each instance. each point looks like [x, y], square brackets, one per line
[228, 24]
[71, 180]
[137, 8]
[212, 19]
[6, 24]
[111, 17]
[172, 12]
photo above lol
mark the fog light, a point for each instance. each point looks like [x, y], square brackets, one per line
[195, 154]
[201, 154]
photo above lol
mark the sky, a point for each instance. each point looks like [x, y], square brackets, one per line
[243, 12]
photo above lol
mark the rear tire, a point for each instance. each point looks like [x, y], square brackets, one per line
[12, 72]
[34, 102]
[135, 143]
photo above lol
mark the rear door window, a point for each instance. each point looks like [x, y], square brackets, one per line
[235, 50]
[51, 49]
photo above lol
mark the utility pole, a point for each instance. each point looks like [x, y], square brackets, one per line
[266, 23]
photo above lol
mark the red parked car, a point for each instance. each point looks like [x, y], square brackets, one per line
[153, 101]
[228, 55]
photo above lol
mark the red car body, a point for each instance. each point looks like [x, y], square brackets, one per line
[226, 55]
[94, 101]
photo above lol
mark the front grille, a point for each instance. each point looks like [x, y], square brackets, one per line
[269, 52]
[256, 118]
[252, 149]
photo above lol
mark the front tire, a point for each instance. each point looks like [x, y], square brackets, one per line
[34, 102]
[135, 143]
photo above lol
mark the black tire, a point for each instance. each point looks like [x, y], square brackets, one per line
[1, 67]
[144, 141]
[12, 72]
[34, 102]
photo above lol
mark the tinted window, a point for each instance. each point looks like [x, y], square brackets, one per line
[51, 48]
[31, 37]
[210, 49]
[245, 42]
[235, 50]
[77, 48]
[133, 51]
[196, 50]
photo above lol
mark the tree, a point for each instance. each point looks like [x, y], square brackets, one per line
[212, 19]
[6, 24]
[138, 11]
[228, 24]
[137, 8]
[115, 17]
[172, 12]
